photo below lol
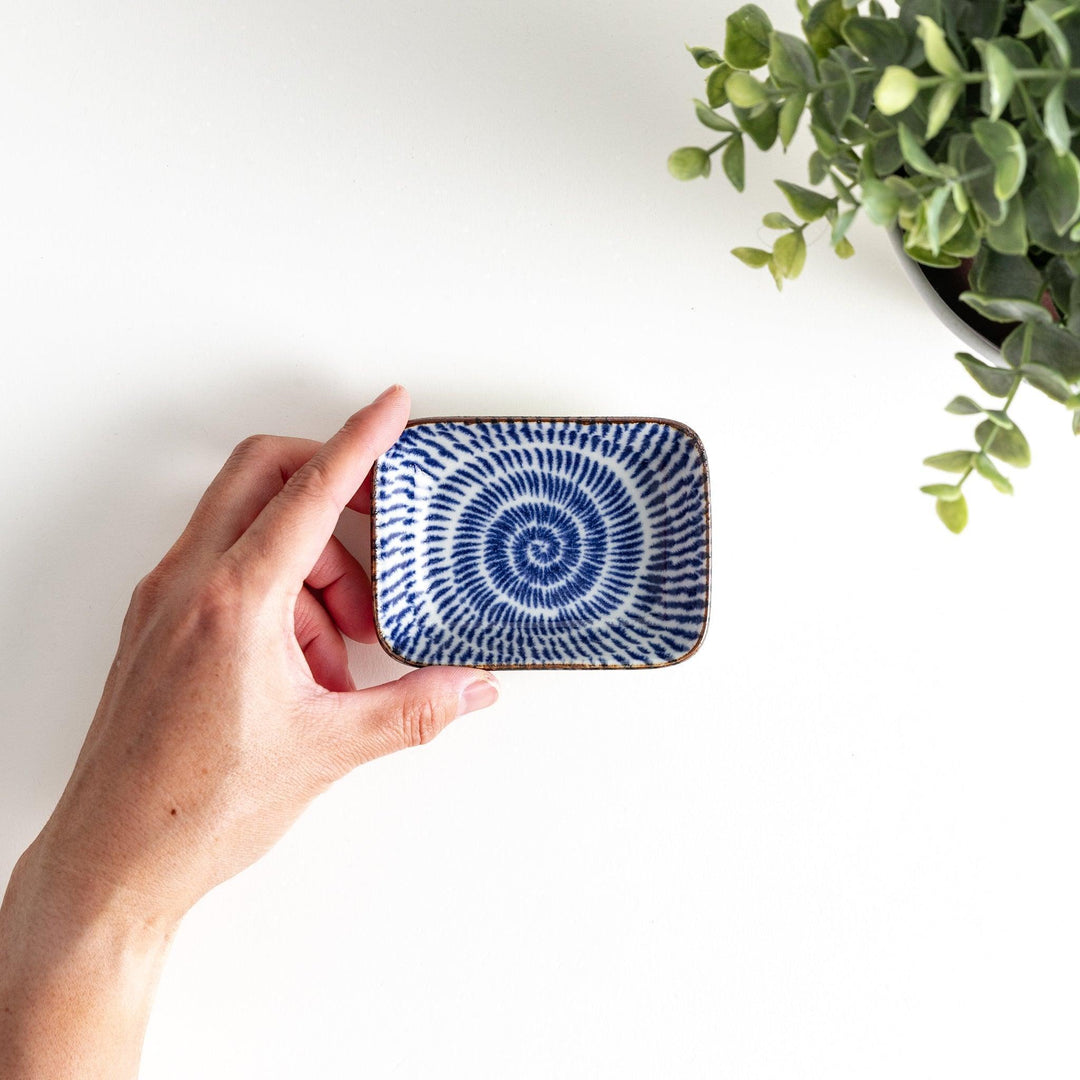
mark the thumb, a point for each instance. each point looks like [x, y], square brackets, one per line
[408, 712]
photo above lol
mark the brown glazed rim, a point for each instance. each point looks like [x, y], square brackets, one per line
[677, 425]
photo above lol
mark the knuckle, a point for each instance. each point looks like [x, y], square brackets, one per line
[226, 584]
[141, 595]
[150, 594]
[314, 480]
[212, 612]
[150, 588]
[220, 600]
[254, 447]
[421, 721]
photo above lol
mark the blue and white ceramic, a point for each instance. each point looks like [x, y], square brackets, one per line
[532, 543]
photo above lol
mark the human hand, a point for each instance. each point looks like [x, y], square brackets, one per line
[229, 707]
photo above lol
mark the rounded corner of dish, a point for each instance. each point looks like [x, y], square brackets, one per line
[392, 652]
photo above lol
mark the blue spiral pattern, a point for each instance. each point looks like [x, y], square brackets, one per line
[541, 543]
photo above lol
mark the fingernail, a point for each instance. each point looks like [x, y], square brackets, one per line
[388, 391]
[478, 695]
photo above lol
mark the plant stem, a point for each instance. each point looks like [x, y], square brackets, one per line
[842, 181]
[1032, 113]
[925, 81]
[1022, 75]
[1025, 357]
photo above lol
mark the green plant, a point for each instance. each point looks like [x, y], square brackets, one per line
[953, 120]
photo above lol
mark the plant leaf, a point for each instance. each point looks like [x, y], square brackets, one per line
[941, 106]
[733, 160]
[881, 203]
[776, 220]
[1058, 177]
[826, 142]
[1051, 346]
[1006, 275]
[1055, 121]
[997, 382]
[1040, 227]
[838, 94]
[759, 123]
[981, 19]
[938, 54]
[955, 461]
[881, 41]
[1010, 236]
[706, 58]
[928, 258]
[987, 469]
[935, 205]
[980, 179]
[963, 406]
[788, 121]
[716, 83]
[809, 205]
[1000, 419]
[746, 44]
[1007, 444]
[948, 492]
[744, 90]
[965, 242]
[823, 25]
[1005, 148]
[1036, 19]
[1060, 279]
[841, 225]
[896, 90]
[711, 119]
[1001, 76]
[953, 512]
[1046, 379]
[753, 257]
[1072, 307]
[791, 62]
[688, 163]
[1070, 27]
[915, 155]
[1006, 309]
[789, 254]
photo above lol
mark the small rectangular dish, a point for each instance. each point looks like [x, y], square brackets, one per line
[504, 542]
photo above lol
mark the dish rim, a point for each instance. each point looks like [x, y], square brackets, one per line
[678, 425]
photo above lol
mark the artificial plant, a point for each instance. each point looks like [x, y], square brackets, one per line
[953, 121]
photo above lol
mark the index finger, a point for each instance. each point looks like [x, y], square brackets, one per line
[294, 527]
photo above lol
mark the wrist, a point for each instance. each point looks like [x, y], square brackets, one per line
[79, 964]
[52, 908]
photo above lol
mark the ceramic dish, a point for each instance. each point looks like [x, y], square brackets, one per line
[541, 543]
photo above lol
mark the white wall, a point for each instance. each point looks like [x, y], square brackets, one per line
[838, 842]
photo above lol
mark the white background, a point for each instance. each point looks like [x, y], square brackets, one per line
[838, 842]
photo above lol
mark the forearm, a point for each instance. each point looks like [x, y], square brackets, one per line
[228, 709]
[78, 972]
